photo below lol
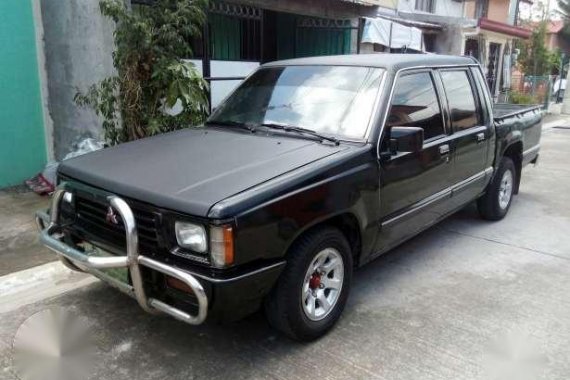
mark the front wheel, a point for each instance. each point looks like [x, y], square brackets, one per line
[313, 288]
[496, 201]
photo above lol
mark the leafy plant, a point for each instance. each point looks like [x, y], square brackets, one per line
[535, 58]
[152, 77]
[522, 98]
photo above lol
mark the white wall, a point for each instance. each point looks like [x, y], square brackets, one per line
[48, 122]
[448, 8]
[221, 89]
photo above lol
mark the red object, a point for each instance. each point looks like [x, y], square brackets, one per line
[40, 185]
[501, 27]
[315, 281]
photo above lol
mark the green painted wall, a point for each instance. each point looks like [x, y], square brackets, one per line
[22, 140]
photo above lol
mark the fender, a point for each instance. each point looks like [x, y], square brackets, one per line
[349, 189]
[511, 138]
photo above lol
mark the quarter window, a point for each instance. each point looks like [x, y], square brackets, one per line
[461, 99]
[415, 104]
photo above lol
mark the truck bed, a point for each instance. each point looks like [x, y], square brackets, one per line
[522, 120]
[502, 111]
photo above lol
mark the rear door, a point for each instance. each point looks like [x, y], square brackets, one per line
[414, 186]
[471, 133]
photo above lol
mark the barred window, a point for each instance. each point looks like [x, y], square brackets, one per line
[425, 5]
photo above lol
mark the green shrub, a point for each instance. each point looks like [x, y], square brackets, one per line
[521, 98]
[151, 43]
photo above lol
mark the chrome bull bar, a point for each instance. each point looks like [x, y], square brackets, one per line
[84, 262]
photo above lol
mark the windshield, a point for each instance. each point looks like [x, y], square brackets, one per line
[336, 100]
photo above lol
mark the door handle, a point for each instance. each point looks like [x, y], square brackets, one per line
[480, 137]
[444, 151]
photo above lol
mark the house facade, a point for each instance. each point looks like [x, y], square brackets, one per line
[42, 121]
[491, 41]
[484, 29]
[555, 39]
[242, 34]
[449, 15]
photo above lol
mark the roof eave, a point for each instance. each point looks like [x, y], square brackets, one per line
[500, 27]
[367, 3]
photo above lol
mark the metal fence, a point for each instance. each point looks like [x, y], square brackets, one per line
[532, 89]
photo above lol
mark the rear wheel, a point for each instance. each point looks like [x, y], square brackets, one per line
[313, 288]
[496, 201]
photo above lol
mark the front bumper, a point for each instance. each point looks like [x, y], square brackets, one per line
[222, 297]
[84, 262]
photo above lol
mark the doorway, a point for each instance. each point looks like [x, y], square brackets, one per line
[493, 67]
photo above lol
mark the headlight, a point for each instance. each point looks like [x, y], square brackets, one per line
[191, 236]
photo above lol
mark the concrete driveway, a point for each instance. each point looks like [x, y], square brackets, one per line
[461, 301]
[19, 247]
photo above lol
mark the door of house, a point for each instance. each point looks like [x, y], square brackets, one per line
[493, 66]
[472, 48]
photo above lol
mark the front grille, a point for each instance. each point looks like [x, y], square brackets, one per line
[91, 220]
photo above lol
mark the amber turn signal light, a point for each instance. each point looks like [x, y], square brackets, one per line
[222, 246]
[178, 285]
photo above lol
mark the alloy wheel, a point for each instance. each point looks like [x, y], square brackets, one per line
[323, 284]
[506, 189]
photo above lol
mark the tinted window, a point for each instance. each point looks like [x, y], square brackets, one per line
[415, 104]
[336, 100]
[461, 99]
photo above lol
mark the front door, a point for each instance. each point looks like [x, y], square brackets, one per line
[415, 186]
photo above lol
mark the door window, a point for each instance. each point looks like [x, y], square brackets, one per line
[415, 104]
[461, 100]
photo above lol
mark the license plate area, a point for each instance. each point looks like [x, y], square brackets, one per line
[120, 274]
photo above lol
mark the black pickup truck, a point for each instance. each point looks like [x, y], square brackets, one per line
[309, 169]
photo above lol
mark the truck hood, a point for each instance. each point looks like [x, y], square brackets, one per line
[191, 170]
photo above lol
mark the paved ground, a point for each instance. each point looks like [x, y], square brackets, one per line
[458, 301]
[19, 247]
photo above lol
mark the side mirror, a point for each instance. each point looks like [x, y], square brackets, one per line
[406, 139]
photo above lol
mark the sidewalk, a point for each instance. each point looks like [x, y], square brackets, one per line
[554, 118]
[19, 247]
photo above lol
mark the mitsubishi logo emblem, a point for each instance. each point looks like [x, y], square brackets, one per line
[111, 216]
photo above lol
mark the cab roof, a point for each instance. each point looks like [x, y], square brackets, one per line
[387, 61]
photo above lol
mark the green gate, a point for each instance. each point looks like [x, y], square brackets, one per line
[302, 36]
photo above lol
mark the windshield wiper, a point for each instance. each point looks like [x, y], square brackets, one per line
[230, 123]
[292, 128]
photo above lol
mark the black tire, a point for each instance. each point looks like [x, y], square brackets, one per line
[284, 305]
[489, 205]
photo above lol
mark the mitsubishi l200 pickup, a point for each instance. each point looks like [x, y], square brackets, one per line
[309, 169]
